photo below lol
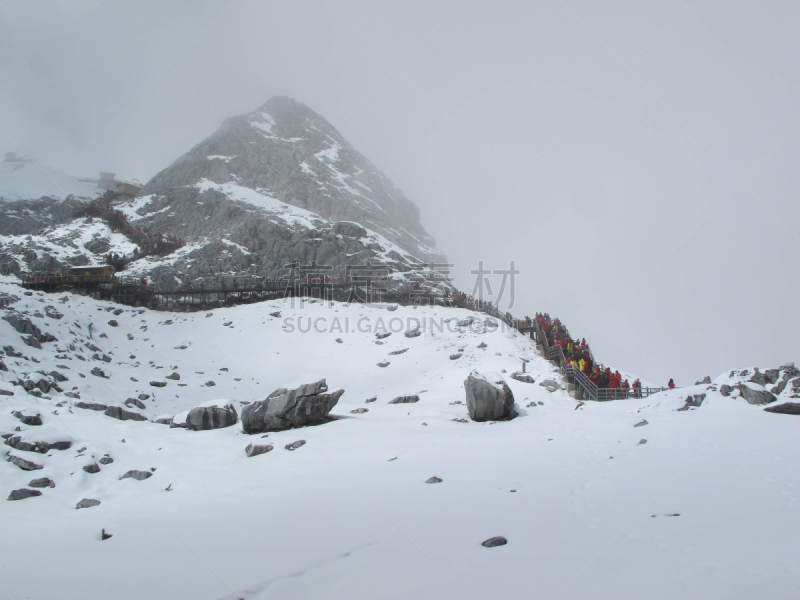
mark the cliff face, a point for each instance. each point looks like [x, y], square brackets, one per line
[282, 156]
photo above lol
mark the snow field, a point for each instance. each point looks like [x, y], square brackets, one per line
[338, 518]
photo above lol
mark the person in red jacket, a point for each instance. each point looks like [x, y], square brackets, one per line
[671, 384]
[583, 344]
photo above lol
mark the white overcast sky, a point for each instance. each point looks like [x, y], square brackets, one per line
[638, 161]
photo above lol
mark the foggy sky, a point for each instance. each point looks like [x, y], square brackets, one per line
[636, 160]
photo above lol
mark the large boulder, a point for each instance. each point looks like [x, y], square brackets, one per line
[285, 409]
[754, 396]
[211, 417]
[787, 408]
[488, 397]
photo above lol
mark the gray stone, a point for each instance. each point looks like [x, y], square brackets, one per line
[87, 503]
[174, 376]
[23, 493]
[91, 406]
[772, 375]
[42, 482]
[396, 352]
[106, 460]
[642, 441]
[116, 412]
[98, 372]
[383, 364]
[211, 417]
[758, 377]
[135, 402]
[756, 397]
[92, 468]
[703, 381]
[137, 475]
[413, 333]
[787, 408]
[163, 420]
[410, 399]
[158, 384]
[455, 356]
[32, 420]
[285, 409]
[726, 389]
[113, 323]
[25, 465]
[382, 336]
[523, 377]
[256, 449]
[693, 402]
[295, 445]
[642, 423]
[494, 542]
[488, 397]
[209, 384]
[434, 479]
[778, 389]
[359, 411]
[551, 385]
[31, 334]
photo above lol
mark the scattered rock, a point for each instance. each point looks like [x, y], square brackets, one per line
[32, 420]
[25, 465]
[693, 402]
[434, 479]
[135, 402]
[359, 411]
[256, 449]
[42, 482]
[115, 412]
[413, 333]
[23, 493]
[756, 397]
[787, 408]
[703, 381]
[91, 406]
[98, 372]
[642, 441]
[106, 460]
[494, 542]
[158, 384]
[396, 352]
[383, 364]
[772, 375]
[203, 418]
[285, 409]
[488, 397]
[551, 385]
[137, 475]
[455, 356]
[460, 420]
[758, 378]
[87, 503]
[410, 399]
[295, 445]
[642, 423]
[523, 377]
[174, 376]
[209, 383]
[368, 400]
[482, 345]
[105, 535]
[382, 336]
[92, 468]
[580, 403]
[113, 323]
[726, 390]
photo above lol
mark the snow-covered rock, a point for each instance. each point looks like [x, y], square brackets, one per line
[488, 397]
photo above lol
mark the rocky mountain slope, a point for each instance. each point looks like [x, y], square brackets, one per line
[276, 186]
[393, 496]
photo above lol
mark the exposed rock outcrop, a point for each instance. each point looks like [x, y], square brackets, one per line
[286, 409]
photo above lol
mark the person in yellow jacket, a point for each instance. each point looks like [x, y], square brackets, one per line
[582, 365]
